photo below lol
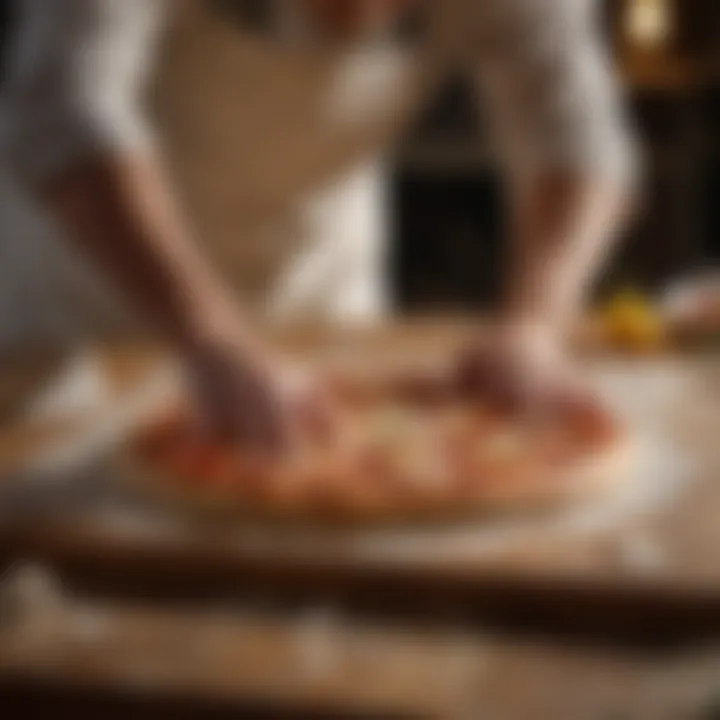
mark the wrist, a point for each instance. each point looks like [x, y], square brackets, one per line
[528, 328]
[214, 325]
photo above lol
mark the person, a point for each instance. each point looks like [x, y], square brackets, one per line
[313, 109]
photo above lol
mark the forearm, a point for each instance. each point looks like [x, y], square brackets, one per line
[564, 227]
[75, 135]
[119, 211]
[566, 148]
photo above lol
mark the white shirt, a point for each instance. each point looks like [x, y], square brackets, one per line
[277, 145]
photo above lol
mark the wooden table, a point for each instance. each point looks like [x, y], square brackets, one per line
[112, 659]
[655, 552]
[646, 579]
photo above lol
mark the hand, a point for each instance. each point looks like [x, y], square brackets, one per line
[524, 369]
[249, 395]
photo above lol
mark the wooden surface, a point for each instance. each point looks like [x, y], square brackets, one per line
[319, 663]
[653, 565]
[160, 616]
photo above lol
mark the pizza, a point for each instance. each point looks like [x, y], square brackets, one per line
[411, 449]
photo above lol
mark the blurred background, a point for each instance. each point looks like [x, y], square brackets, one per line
[447, 220]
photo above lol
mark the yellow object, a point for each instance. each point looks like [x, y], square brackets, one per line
[631, 322]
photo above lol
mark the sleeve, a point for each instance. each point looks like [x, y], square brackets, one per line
[549, 87]
[76, 70]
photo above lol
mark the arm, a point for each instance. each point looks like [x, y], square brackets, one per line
[568, 160]
[76, 137]
[118, 210]
[565, 147]
[564, 228]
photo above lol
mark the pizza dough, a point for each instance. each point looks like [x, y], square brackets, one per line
[410, 449]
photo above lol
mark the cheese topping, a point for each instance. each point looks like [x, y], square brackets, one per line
[505, 444]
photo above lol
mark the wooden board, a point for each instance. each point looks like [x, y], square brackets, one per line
[650, 562]
[66, 652]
